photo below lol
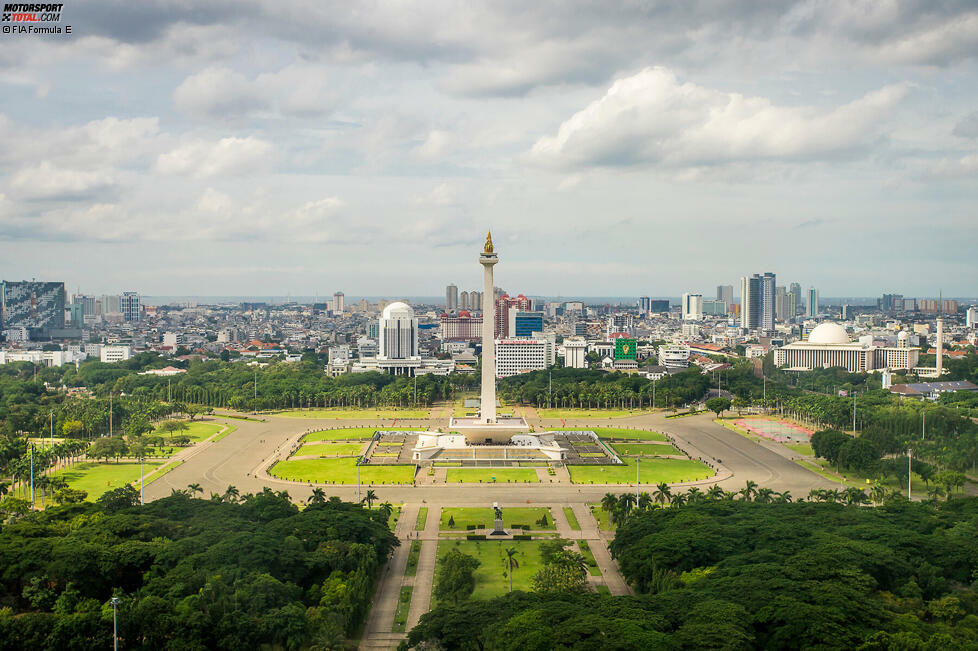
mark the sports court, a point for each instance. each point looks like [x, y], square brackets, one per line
[776, 430]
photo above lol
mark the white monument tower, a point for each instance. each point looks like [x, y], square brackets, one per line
[488, 259]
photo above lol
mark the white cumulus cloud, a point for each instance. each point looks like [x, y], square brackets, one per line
[651, 118]
[227, 156]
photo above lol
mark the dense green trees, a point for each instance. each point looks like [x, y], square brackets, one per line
[190, 573]
[738, 574]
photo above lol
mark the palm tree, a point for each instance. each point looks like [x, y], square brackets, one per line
[318, 496]
[764, 496]
[644, 500]
[714, 492]
[694, 495]
[194, 488]
[662, 493]
[784, 497]
[231, 494]
[877, 493]
[677, 500]
[387, 508]
[609, 502]
[749, 491]
[626, 502]
[370, 497]
[513, 564]
[853, 495]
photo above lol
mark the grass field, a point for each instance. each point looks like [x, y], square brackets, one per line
[601, 516]
[465, 516]
[330, 449]
[422, 520]
[414, 555]
[491, 579]
[97, 478]
[592, 564]
[627, 434]
[588, 413]
[197, 431]
[487, 475]
[352, 414]
[800, 448]
[343, 434]
[644, 449]
[403, 606]
[651, 471]
[571, 518]
[159, 472]
[341, 471]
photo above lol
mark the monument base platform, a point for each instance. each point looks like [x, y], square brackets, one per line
[499, 433]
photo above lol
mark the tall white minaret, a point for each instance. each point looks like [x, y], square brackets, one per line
[488, 259]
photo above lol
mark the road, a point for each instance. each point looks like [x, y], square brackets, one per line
[235, 459]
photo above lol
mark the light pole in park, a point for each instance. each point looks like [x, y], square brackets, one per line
[32, 476]
[853, 412]
[638, 460]
[52, 428]
[115, 628]
[909, 470]
[358, 478]
[142, 457]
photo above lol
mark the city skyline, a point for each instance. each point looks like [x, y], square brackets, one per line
[264, 151]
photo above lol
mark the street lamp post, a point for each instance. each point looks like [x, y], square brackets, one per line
[32, 476]
[142, 458]
[115, 627]
[358, 478]
[909, 470]
[638, 460]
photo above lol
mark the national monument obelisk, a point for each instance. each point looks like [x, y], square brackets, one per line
[487, 406]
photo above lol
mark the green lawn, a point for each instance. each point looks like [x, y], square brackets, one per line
[414, 555]
[343, 434]
[588, 413]
[603, 589]
[350, 414]
[422, 520]
[601, 516]
[628, 434]
[490, 475]
[197, 431]
[571, 518]
[800, 448]
[330, 450]
[403, 606]
[464, 516]
[652, 471]
[341, 471]
[97, 478]
[644, 449]
[491, 579]
[592, 564]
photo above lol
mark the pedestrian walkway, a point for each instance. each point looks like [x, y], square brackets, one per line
[423, 581]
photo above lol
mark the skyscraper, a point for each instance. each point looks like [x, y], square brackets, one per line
[37, 306]
[398, 332]
[795, 290]
[781, 303]
[751, 301]
[338, 300]
[130, 306]
[644, 304]
[725, 294]
[767, 282]
[692, 307]
[503, 306]
[451, 297]
[812, 302]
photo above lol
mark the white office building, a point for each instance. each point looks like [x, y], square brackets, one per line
[971, 318]
[575, 353]
[515, 356]
[674, 356]
[398, 333]
[551, 339]
[692, 307]
[339, 302]
[110, 354]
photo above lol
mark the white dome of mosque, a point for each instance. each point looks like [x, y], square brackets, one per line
[398, 310]
[828, 333]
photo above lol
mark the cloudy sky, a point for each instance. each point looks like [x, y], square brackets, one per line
[260, 147]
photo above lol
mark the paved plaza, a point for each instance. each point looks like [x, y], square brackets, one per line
[241, 460]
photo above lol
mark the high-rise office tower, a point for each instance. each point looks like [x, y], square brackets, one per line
[463, 301]
[503, 306]
[451, 297]
[35, 305]
[692, 307]
[812, 302]
[751, 297]
[795, 290]
[767, 282]
[725, 294]
[644, 304]
[781, 303]
[398, 330]
[130, 306]
[338, 300]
